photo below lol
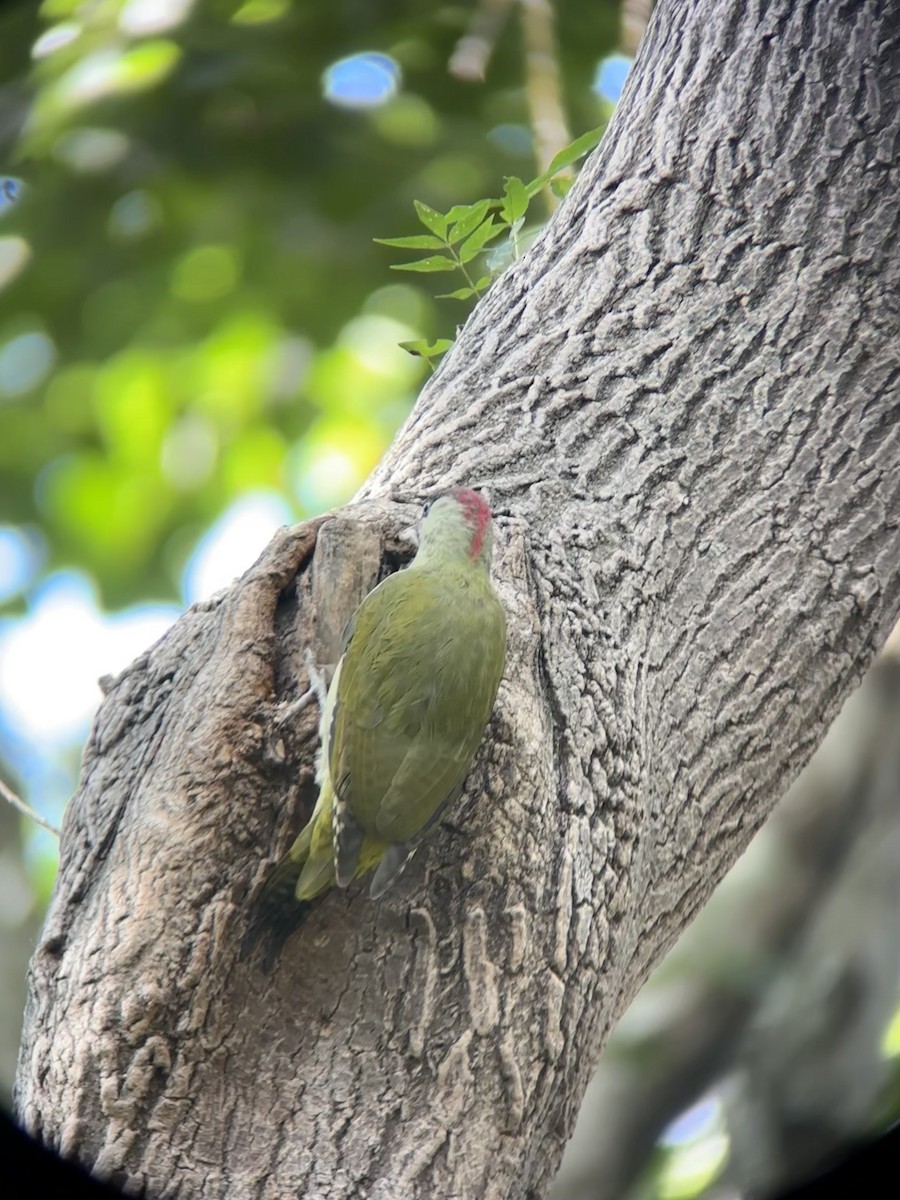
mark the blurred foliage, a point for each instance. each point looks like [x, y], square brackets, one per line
[193, 305]
[463, 235]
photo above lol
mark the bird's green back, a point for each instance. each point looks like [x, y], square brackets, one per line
[402, 740]
[405, 713]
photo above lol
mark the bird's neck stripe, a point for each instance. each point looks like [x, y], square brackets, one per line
[478, 516]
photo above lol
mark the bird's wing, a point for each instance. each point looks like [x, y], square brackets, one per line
[376, 720]
[391, 768]
[431, 774]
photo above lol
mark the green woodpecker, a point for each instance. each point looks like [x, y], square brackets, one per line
[407, 708]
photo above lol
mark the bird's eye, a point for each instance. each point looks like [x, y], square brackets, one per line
[427, 508]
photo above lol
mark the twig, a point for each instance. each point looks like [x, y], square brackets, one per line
[543, 87]
[547, 115]
[635, 18]
[11, 798]
[473, 51]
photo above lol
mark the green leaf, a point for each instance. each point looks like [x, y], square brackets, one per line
[479, 239]
[432, 219]
[575, 150]
[437, 262]
[536, 184]
[423, 349]
[460, 294]
[459, 211]
[484, 282]
[456, 213]
[515, 199]
[500, 256]
[568, 155]
[471, 216]
[561, 186]
[420, 241]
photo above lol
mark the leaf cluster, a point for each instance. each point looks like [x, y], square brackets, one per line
[464, 232]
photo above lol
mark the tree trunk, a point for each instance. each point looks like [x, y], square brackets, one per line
[808, 911]
[684, 403]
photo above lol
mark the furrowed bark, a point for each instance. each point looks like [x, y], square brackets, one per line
[789, 914]
[684, 404]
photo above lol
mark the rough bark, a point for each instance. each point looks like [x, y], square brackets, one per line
[788, 975]
[684, 403]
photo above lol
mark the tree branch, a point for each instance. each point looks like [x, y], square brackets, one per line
[11, 798]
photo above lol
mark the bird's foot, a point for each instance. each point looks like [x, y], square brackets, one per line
[317, 690]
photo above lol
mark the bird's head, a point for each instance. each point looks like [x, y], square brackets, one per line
[457, 525]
